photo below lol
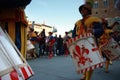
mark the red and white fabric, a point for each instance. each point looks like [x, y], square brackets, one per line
[85, 53]
[111, 49]
[13, 75]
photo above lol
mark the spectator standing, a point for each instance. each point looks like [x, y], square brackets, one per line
[50, 45]
[42, 36]
[55, 45]
[32, 37]
[65, 39]
[37, 44]
[60, 45]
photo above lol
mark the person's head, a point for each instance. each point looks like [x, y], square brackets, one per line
[43, 29]
[66, 33]
[36, 32]
[85, 9]
[31, 29]
[50, 33]
[59, 36]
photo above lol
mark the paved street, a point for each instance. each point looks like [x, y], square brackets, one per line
[62, 68]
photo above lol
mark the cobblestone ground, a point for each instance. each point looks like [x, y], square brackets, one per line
[62, 68]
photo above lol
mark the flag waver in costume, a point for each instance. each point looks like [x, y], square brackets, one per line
[88, 24]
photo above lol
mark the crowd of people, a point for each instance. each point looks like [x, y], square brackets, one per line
[54, 45]
[48, 45]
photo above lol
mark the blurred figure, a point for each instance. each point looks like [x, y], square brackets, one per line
[116, 31]
[65, 39]
[60, 45]
[32, 37]
[88, 24]
[42, 35]
[104, 39]
[50, 45]
[55, 45]
[37, 44]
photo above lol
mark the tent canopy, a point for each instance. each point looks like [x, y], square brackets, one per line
[13, 3]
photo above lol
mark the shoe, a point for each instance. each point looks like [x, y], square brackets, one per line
[50, 55]
[55, 54]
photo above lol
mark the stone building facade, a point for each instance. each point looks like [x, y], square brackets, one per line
[105, 9]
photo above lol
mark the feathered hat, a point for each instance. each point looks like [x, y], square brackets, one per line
[88, 5]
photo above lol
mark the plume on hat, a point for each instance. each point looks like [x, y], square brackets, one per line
[89, 4]
[90, 1]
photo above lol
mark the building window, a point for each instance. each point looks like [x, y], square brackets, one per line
[115, 1]
[95, 5]
[105, 3]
